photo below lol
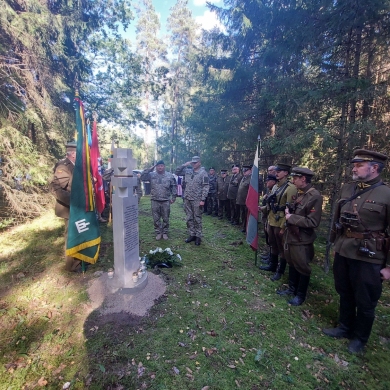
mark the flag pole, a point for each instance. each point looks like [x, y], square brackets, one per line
[76, 86]
[258, 164]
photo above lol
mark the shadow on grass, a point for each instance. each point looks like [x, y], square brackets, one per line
[30, 260]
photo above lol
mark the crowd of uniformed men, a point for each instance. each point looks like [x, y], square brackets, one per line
[291, 211]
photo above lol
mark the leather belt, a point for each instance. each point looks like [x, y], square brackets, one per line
[361, 236]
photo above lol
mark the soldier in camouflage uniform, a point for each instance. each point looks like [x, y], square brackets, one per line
[197, 188]
[60, 186]
[232, 194]
[212, 206]
[163, 189]
[242, 194]
[362, 218]
[222, 189]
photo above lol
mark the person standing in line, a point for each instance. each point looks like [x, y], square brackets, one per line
[361, 221]
[302, 217]
[197, 188]
[212, 206]
[163, 189]
[242, 193]
[61, 186]
[281, 194]
[222, 189]
[232, 194]
[270, 181]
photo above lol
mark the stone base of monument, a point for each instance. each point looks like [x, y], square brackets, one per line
[107, 297]
[116, 284]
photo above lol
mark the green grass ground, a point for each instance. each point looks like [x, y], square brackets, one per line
[220, 324]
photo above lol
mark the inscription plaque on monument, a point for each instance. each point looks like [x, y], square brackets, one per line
[125, 222]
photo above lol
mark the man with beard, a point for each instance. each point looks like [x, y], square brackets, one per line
[361, 248]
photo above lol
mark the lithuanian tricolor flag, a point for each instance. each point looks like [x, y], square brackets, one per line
[83, 229]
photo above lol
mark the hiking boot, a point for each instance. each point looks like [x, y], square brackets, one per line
[276, 277]
[197, 241]
[158, 237]
[165, 236]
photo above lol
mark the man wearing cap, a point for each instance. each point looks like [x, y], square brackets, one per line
[303, 215]
[222, 189]
[242, 193]
[197, 188]
[163, 190]
[361, 248]
[60, 186]
[212, 206]
[270, 181]
[281, 194]
[232, 194]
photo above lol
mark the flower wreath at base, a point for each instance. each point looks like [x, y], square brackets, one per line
[162, 258]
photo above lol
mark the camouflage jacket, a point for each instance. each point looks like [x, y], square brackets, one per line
[162, 186]
[197, 183]
[212, 184]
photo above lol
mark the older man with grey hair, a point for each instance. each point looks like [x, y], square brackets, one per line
[197, 188]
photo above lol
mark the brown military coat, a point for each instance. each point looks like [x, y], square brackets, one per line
[61, 185]
[373, 208]
[307, 205]
[233, 186]
[222, 187]
[243, 190]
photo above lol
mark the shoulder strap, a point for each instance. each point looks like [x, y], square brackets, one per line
[342, 203]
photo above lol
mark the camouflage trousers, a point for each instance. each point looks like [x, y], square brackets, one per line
[161, 210]
[212, 206]
[194, 217]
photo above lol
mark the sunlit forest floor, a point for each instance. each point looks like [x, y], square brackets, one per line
[220, 324]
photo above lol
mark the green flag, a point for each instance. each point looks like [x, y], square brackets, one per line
[83, 229]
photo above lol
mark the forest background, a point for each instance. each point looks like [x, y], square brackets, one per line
[310, 77]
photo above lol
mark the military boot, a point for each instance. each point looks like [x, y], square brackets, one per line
[158, 237]
[293, 280]
[190, 238]
[273, 264]
[340, 332]
[301, 291]
[280, 270]
[197, 241]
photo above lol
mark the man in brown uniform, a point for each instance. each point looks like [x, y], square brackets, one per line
[242, 194]
[232, 194]
[222, 189]
[361, 248]
[281, 194]
[302, 217]
[60, 186]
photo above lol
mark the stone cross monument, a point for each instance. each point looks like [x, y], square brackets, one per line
[129, 274]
